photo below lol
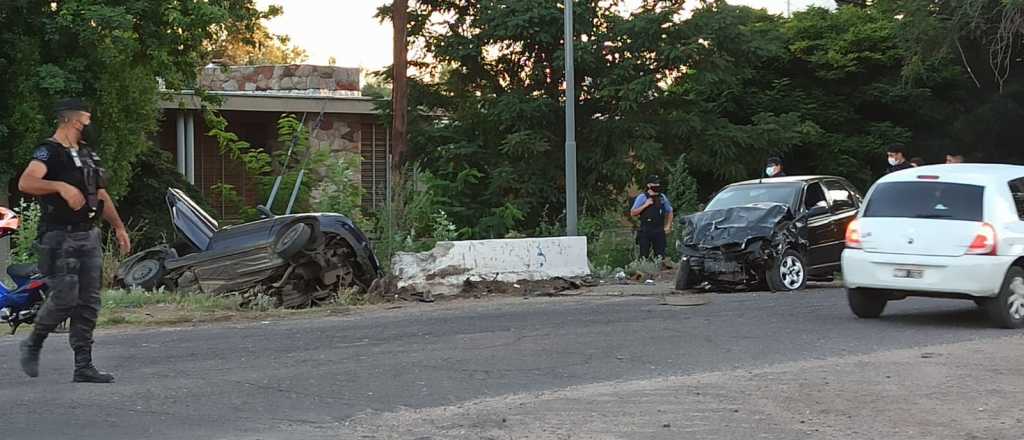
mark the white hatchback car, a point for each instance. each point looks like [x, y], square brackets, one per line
[945, 231]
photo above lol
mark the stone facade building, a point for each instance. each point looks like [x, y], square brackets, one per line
[253, 99]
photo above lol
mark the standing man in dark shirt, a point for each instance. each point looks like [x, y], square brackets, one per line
[65, 174]
[655, 214]
[897, 158]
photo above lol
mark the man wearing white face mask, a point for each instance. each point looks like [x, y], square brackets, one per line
[773, 168]
[897, 158]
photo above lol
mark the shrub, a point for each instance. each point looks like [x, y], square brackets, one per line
[145, 204]
[23, 243]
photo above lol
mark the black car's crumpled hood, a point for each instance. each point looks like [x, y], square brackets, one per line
[720, 227]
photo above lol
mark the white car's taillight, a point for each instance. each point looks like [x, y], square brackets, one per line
[853, 235]
[985, 242]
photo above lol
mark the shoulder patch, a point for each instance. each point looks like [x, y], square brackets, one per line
[41, 153]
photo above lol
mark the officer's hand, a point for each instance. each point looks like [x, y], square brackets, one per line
[123, 242]
[74, 197]
[649, 202]
[668, 229]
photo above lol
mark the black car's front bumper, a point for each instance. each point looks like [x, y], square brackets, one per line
[737, 265]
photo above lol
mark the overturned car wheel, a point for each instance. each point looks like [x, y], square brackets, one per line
[146, 273]
[293, 240]
[788, 272]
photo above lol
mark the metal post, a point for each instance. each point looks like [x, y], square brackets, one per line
[570, 127]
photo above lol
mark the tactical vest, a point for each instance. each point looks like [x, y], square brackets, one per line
[653, 218]
[83, 170]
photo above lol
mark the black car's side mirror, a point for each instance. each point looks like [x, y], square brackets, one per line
[264, 211]
[817, 210]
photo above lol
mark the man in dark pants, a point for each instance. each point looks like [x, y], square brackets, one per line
[69, 182]
[655, 214]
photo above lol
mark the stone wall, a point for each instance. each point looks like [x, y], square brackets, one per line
[293, 78]
[336, 134]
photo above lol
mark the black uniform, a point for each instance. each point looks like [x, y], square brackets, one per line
[899, 167]
[651, 235]
[70, 252]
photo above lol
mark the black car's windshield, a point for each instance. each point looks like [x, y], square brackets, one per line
[743, 195]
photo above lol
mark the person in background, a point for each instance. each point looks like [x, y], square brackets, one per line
[654, 211]
[954, 158]
[773, 168]
[916, 162]
[897, 155]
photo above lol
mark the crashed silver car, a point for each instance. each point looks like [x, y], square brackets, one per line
[772, 234]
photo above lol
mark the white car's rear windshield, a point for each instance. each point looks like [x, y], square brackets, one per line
[935, 200]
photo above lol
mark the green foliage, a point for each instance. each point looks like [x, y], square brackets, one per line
[682, 188]
[23, 249]
[145, 202]
[444, 229]
[340, 190]
[334, 177]
[110, 53]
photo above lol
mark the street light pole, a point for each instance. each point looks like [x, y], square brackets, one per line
[570, 127]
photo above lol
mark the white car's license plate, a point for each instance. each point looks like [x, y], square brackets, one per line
[904, 272]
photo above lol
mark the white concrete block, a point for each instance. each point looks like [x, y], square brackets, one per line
[443, 270]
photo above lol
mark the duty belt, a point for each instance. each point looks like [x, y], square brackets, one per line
[75, 227]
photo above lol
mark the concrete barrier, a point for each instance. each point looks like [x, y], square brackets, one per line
[443, 270]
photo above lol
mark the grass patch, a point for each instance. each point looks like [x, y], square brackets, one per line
[161, 308]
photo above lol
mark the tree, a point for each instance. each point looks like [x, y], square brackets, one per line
[111, 53]
[257, 45]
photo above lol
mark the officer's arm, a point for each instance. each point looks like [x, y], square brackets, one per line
[109, 211]
[638, 207]
[31, 181]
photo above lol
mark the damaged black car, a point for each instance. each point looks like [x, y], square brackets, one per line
[771, 234]
[298, 260]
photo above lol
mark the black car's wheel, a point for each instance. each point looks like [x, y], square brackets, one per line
[865, 303]
[146, 273]
[293, 240]
[684, 276]
[1006, 310]
[788, 272]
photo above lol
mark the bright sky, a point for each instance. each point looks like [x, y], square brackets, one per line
[347, 30]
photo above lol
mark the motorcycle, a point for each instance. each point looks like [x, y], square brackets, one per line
[21, 304]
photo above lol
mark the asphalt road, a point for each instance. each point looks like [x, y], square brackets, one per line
[304, 379]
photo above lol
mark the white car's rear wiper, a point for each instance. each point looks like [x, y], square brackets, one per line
[933, 216]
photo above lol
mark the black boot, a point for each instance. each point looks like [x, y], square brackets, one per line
[30, 349]
[84, 370]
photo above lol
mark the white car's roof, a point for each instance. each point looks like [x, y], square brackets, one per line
[971, 173]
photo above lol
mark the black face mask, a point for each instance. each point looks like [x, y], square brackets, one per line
[90, 136]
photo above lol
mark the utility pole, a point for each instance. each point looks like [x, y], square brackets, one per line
[400, 90]
[570, 126]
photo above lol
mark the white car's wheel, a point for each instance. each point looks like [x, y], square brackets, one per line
[866, 303]
[1007, 309]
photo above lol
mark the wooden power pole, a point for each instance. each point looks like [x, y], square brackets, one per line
[400, 88]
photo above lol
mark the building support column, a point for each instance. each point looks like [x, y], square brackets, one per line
[190, 149]
[181, 142]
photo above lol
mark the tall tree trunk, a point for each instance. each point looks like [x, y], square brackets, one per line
[400, 92]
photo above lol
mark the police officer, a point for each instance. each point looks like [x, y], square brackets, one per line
[65, 174]
[655, 213]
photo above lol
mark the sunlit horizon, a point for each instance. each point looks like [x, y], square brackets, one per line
[347, 31]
